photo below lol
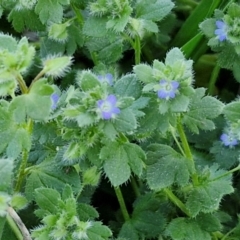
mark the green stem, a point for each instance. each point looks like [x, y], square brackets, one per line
[22, 170]
[23, 164]
[187, 150]
[94, 58]
[137, 48]
[184, 141]
[122, 203]
[14, 227]
[213, 79]
[176, 201]
[228, 233]
[227, 173]
[40, 74]
[78, 14]
[135, 187]
[172, 130]
[22, 84]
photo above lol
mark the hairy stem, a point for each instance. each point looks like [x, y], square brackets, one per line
[78, 14]
[122, 203]
[187, 150]
[23, 164]
[24, 233]
[176, 201]
[135, 187]
[40, 74]
[137, 48]
[22, 84]
[227, 173]
[213, 79]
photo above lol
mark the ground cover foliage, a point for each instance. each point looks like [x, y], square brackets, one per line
[119, 119]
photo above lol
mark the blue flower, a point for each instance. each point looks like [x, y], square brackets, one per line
[107, 107]
[167, 89]
[54, 98]
[228, 140]
[221, 30]
[108, 78]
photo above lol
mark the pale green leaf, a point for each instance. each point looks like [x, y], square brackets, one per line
[154, 10]
[201, 111]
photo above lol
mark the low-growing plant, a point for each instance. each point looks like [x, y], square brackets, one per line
[119, 119]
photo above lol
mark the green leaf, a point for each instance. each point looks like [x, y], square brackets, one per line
[128, 86]
[136, 156]
[75, 39]
[8, 42]
[208, 27]
[165, 166]
[87, 81]
[224, 156]
[116, 165]
[154, 10]
[99, 232]
[125, 121]
[50, 11]
[144, 73]
[18, 201]
[201, 110]
[49, 174]
[207, 195]
[95, 27]
[232, 111]
[36, 104]
[47, 199]
[118, 24]
[182, 229]
[151, 224]
[148, 217]
[119, 158]
[128, 231]
[20, 20]
[21, 140]
[86, 212]
[209, 222]
[151, 120]
[6, 169]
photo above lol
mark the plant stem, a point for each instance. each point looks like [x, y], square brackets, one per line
[187, 150]
[14, 227]
[137, 48]
[25, 235]
[21, 170]
[213, 79]
[23, 164]
[22, 84]
[135, 187]
[122, 203]
[40, 74]
[227, 173]
[176, 201]
[176, 140]
[78, 14]
[228, 233]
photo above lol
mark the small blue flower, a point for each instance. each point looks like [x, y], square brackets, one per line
[167, 89]
[228, 140]
[221, 30]
[108, 78]
[107, 107]
[54, 98]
